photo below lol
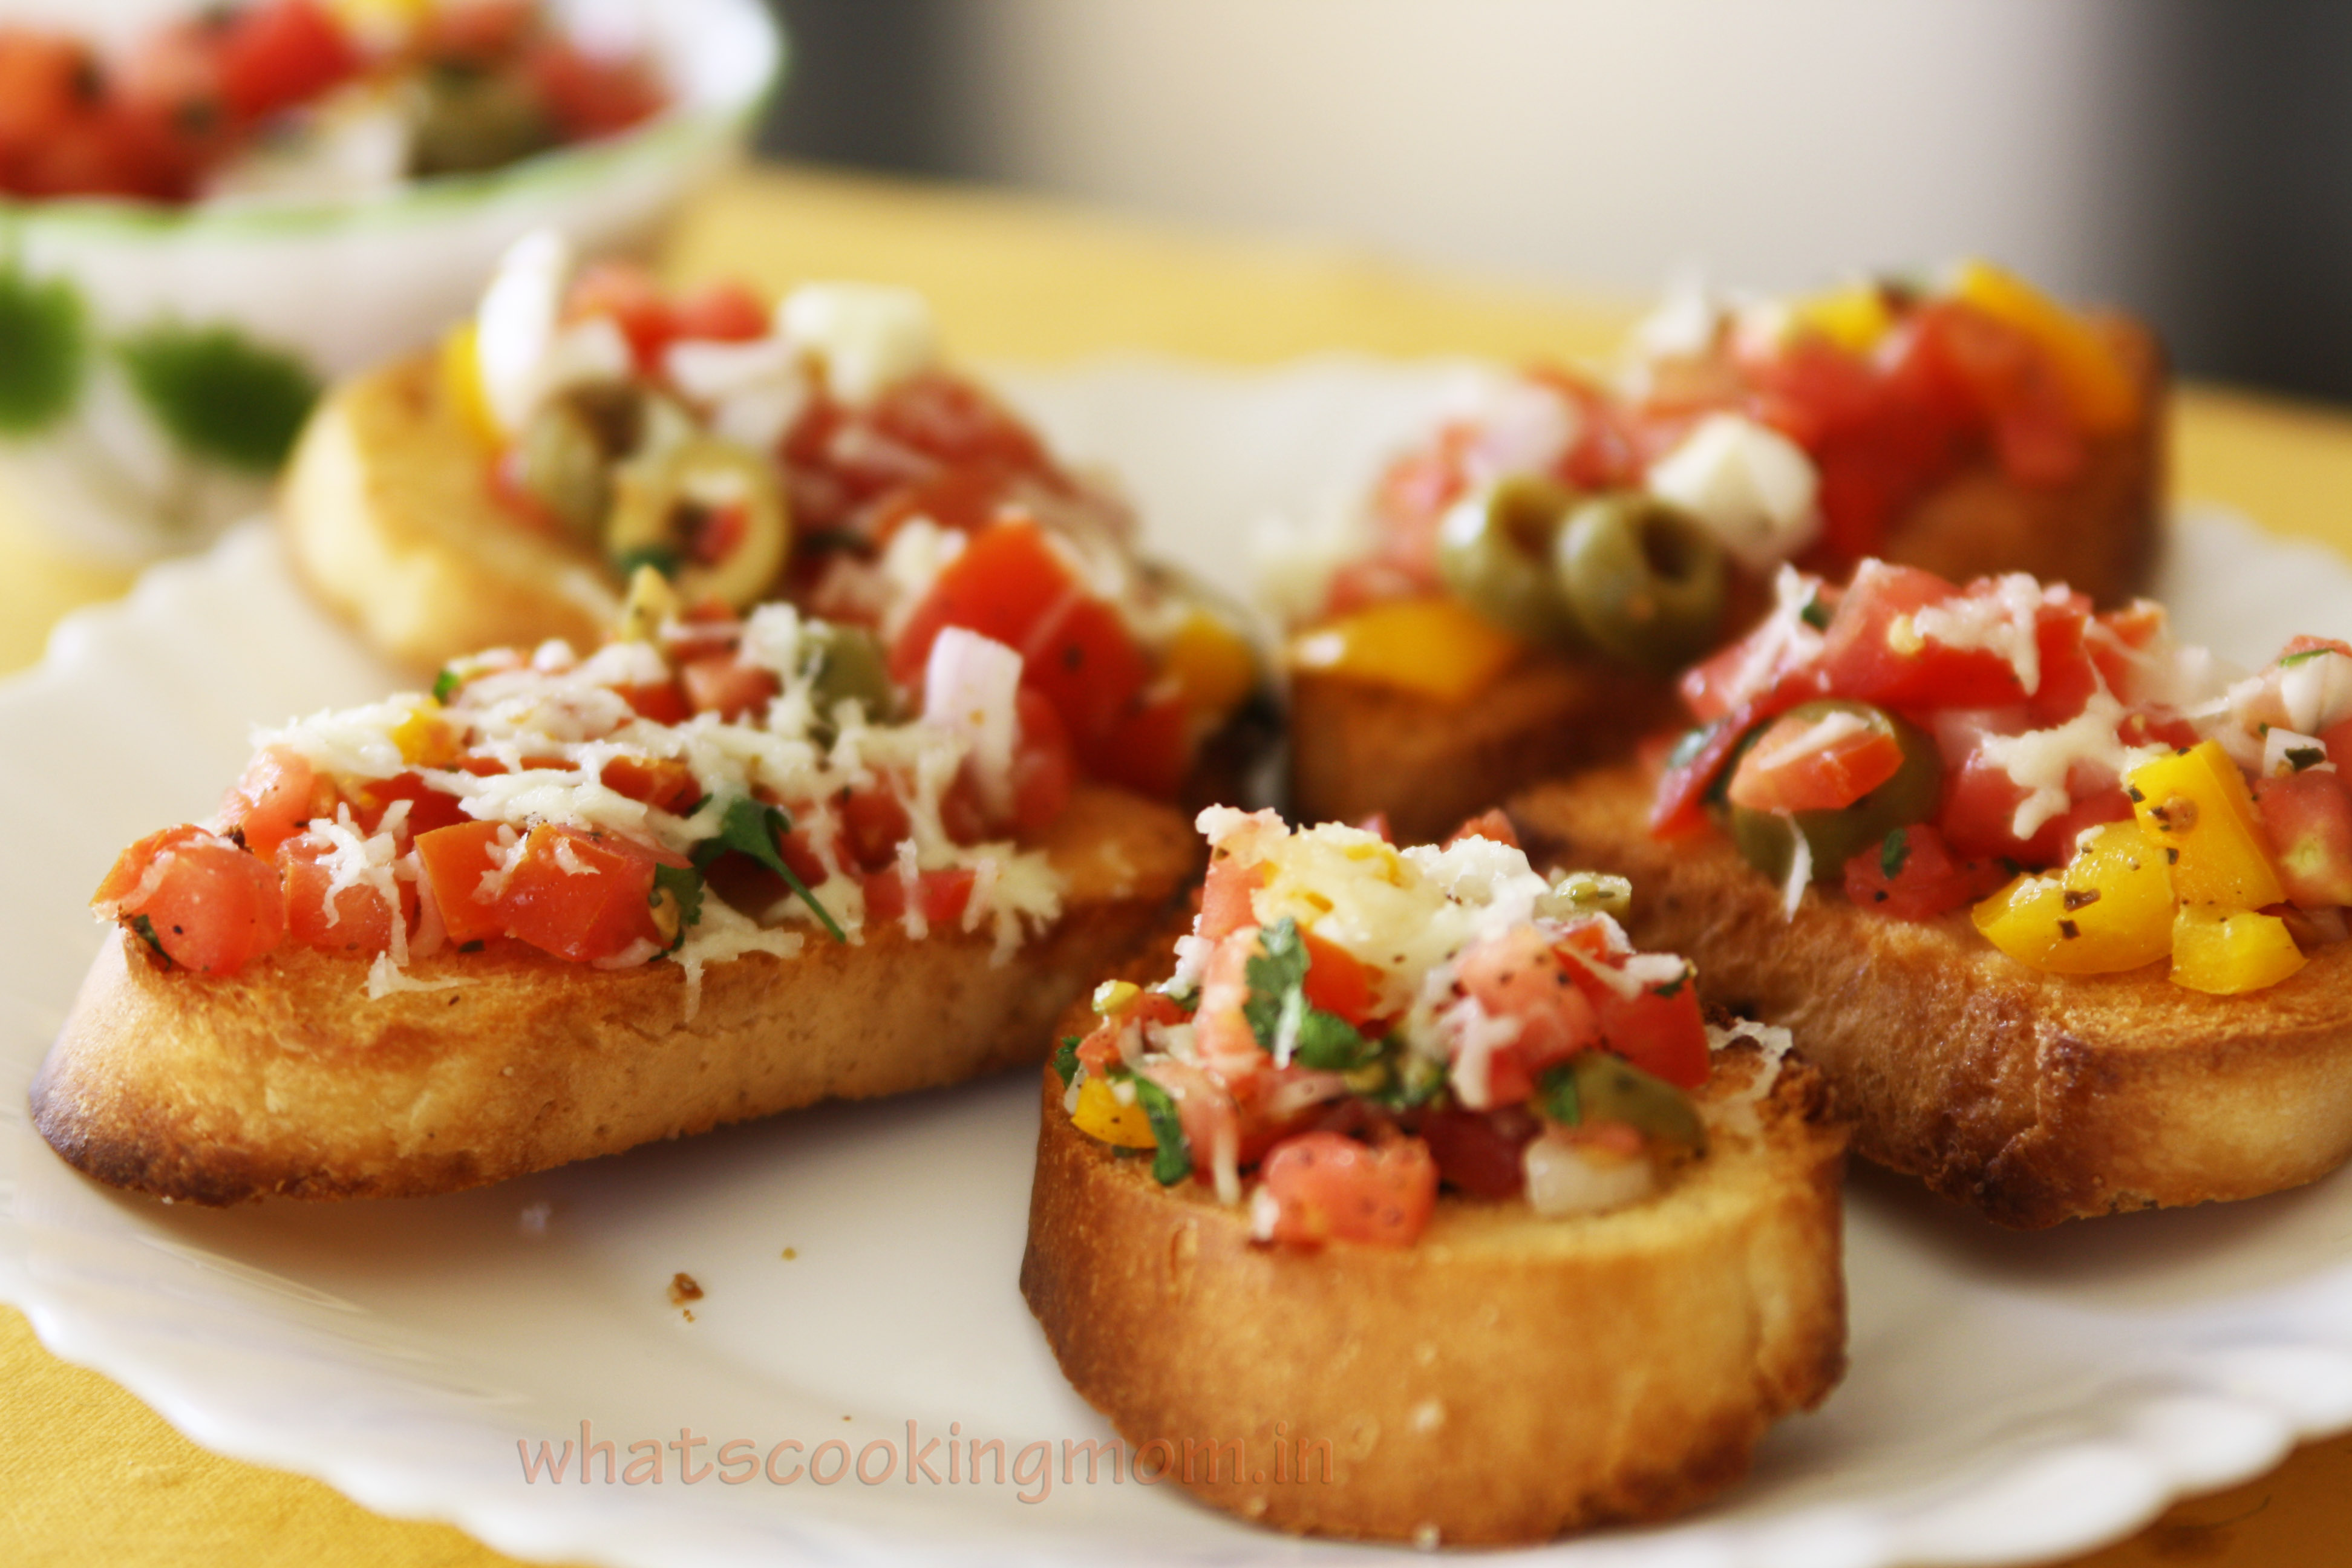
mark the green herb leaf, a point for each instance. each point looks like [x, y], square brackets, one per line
[1065, 1059]
[2302, 757]
[1187, 997]
[44, 347]
[1815, 614]
[2308, 654]
[1331, 1043]
[146, 929]
[683, 883]
[1277, 1004]
[660, 557]
[751, 828]
[1556, 1095]
[1173, 1161]
[221, 394]
[1894, 853]
[445, 686]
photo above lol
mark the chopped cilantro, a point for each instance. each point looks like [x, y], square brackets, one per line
[660, 557]
[1173, 1162]
[1815, 614]
[751, 828]
[1673, 987]
[1065, 1059]
[44, 341]
[683, 883]
[146, 929]
[445, 686]
[2304, 757]
[1556, 1095]
[1277, 1005]
[221, 394]
[1893, 854]
[2304, 657]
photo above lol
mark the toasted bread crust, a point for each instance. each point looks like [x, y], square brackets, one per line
[2036, 1097]
[285, 1079]
[1357, 748]
[387, 515]
[1505, 1379]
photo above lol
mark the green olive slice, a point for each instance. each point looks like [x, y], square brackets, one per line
[1645, 582]
[1768, 840]
[709, 514]
[1610, 1089]
[850, 666]
[1495, 552]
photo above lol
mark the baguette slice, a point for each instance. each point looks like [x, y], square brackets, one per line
[2036, 1097]
[1503, 1380]
[1357, 748]
[285, 1079]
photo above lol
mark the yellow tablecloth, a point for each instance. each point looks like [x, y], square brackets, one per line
[93, 1476]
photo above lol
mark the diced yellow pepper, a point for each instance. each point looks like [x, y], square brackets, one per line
[2110, 909]
[2227, 952]
[2099, 389]
[1212, 665]
[2195, 802]
[461, 383]
[426, 740]
[1113, 997]
[1854, 318]
[1101, 1115]
[1435, 647]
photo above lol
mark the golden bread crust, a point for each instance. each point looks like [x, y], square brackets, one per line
[1505, 1379]
[285, 1079]
[386, 515]
[2036, 1097]
[1357, 748]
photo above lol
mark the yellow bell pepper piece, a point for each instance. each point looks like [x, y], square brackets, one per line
[1212, 665]
[2111, 909]
[1101, 1115]
[461, 383]
[2099, 389]
[2226, 951]
[2195, 802]
[1434, 648]
[425, 740]
[1855, 317]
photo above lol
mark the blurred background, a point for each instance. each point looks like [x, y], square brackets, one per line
[2189, 159]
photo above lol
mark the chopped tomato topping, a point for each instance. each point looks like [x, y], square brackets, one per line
[1337, 981]
[455, 861]
[428, 808]
[665, 784]
[942, 896]
[723, 684]
[1928, 880]
[209, 906]
[1225, 895]
[279, 795]
[1043, 770]
[590, 96]
[2309, 817]
[1488, 825]
[1477, 1153]
[1329, 1187]
[579, 896]
[662, 701]
[1659, 1029]
[355, 919]
[1517, 976]
[1813, 765]
[280, 53]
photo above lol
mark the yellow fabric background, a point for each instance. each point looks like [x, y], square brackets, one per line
[92, 1476]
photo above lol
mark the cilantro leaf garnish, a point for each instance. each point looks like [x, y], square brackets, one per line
[1893, 854]
[751, 828]
[1815, 614]
[146, 929]
[1556, 1095]
[660, 557]
[1173, 1161]
[43, 343]
[1277, 1005]
[685, 884]
[445, 686]
[1065, 1059]
[2290, 660]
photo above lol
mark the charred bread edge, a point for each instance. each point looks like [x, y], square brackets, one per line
[2036, 1097]
[1504, 1380]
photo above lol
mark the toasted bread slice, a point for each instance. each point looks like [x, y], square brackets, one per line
[284, 1079]
[387, 513]
[2037, 1098]
[1503, 1379]
[1357, 748]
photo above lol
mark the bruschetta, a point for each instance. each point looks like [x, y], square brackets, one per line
[1520, 585]
[1414, 1205]
[560, 906]
[504, 488]
[2056, 904]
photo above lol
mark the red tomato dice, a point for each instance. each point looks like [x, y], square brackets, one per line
[1813, 765]
[579, 896]
[1479, 1153]
[281, 53]
[455, 861]
[279, 795]
[210, 906]
[355, 919]
[1329, 1187]
[1659, 1029]
[942, 896]
[2309, 815]
[1929, 881]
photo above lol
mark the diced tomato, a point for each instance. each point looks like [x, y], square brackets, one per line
[476, 32]
[2337, 739]
[661, 701]
[956, 422]
[590, 96]
[1329, 1187]
[579, 896]
[1813, 765]
[1660, 1030]
[278, 794]
[455, 861]
[1516, 974]
[1679, 806]
[1146, 751]
[1081, 656]
[1478, 1153]
[2068, 673]
[356, 920]
[1043, 770]
[721, 313]
[941, 896]
[2309, 815]
[280, 53]
[665, 784]
[723, 684]
[1004, 584]
[2012, 386]
[1488, 825]
[213, 907]
[428, 808]
[873, 821]
[627, 294]
[1865, 655]
[1980, 811]
[1221, 1035]
[1929, 881]
[1337, 981]
[1225, 896]
[965, 500]
[1099, 1050]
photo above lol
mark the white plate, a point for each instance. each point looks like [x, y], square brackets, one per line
[2011, 1396]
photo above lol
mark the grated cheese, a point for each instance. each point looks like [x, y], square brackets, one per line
[2004, 622]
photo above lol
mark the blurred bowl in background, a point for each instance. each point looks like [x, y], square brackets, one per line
[162, 357]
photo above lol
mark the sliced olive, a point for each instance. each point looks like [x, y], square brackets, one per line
[1495, 552]
[850, 666]
[463, 119]
[1610, 1089]
[708, 514]
[1644, 581]
[1576, 893]
[1768, 840]
[561, 465]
